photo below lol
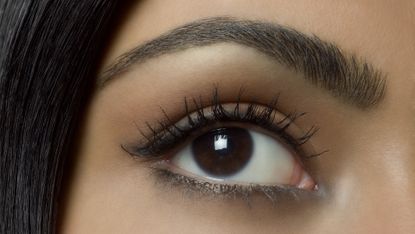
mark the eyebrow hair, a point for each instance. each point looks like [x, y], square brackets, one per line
[322, 63]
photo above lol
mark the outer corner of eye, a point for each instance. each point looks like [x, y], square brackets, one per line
[302, 179]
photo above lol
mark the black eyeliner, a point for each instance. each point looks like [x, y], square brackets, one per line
[166, 135]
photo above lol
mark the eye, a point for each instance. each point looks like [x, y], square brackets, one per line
[240, 156]
[230, 149]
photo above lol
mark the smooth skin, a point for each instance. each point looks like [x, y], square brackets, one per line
[367, 177]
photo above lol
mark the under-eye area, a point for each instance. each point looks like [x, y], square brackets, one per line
[232, 149]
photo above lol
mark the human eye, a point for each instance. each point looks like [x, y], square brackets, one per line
[230, 149]
[239, 156]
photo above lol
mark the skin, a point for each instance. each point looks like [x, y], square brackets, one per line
[366, 179]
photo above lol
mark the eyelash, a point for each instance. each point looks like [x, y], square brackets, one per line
[197, 188]
[166, 136]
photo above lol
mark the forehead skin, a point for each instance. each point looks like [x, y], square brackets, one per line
[380, 31]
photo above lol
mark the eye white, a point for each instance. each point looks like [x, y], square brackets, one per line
[271, 163]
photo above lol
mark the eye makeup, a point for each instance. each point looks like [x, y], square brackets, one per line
[167, 137]
[201, 188]
[165, 134]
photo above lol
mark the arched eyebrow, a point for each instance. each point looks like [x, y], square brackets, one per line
[352, 80]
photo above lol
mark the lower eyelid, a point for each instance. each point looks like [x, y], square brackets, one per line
[191, 187]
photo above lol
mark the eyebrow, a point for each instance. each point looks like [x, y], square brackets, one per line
[345, 76]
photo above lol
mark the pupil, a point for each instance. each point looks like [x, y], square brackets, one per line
[224, 151]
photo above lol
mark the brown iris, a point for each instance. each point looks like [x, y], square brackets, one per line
[224, 151]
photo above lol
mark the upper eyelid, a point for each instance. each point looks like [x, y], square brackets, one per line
[169, 129]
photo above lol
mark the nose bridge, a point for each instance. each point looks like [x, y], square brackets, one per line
[386, 209]
[374, 192]
[386, 203]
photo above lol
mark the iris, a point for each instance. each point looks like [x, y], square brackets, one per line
[224, 151]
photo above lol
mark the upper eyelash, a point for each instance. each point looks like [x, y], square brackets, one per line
[165, 135]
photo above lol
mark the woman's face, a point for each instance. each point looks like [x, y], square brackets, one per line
[265, 117]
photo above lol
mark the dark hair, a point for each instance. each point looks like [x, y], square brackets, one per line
[48, 55]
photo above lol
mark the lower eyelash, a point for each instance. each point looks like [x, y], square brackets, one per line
[193, 187]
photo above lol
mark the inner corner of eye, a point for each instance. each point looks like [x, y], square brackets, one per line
[236, 155]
